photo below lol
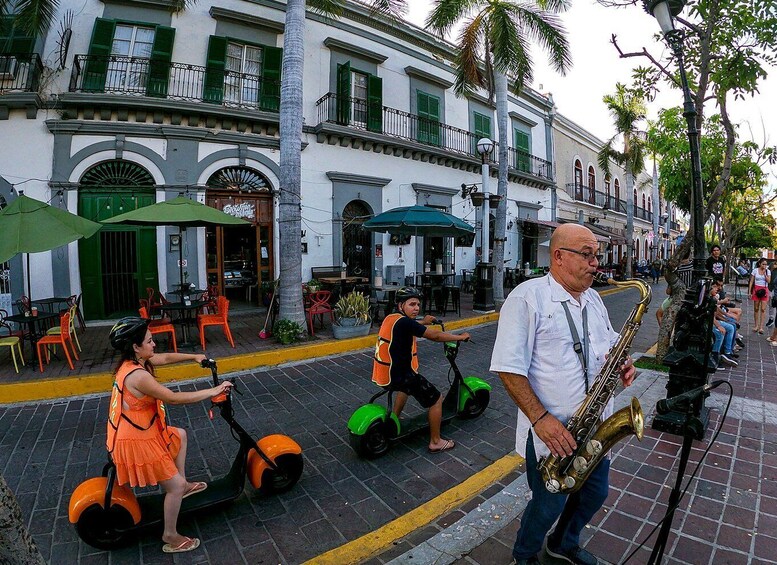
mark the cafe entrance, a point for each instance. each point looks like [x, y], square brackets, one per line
[240, 258]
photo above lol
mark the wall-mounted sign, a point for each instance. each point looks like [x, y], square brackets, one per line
[241, 210]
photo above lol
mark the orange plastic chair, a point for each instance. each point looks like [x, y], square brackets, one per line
[319, 305]
[61, 338]
[218, 319]
[159, 326]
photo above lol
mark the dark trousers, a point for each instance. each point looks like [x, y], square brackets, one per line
[573, 511]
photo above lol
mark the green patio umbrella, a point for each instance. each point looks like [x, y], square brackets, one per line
[182, 212]
[31, 226]
[419, 220]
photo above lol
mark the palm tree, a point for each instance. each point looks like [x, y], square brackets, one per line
[291, 113]
[627, 108]
[494, 47]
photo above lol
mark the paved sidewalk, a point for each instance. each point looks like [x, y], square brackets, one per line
[728, 516]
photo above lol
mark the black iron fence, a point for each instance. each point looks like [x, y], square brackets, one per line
[138, 76]
[594, 197]
[359, 114]
[20, 72]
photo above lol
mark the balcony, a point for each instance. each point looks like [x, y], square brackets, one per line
[603, 200]
[353, 121]
[19, 81]
[136, 76]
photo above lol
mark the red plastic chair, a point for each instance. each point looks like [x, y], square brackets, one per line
[218, 319]
[61, 338]
[159, 326]
[319, 305]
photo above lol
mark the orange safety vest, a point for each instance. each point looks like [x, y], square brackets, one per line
[115, 409]
[381, 365]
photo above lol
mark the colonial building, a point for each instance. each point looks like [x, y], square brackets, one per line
[587, 195]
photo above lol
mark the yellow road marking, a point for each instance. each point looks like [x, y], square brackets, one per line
[375, 542]
[652, 350]
[93, 383]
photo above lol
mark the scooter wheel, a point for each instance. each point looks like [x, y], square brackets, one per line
[474, 407]
[104, 529]
[285, 476]
[373, 443]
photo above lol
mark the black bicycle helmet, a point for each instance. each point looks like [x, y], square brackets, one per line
[406, 293]
[129, 330]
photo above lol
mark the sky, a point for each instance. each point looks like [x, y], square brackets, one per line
[597, 68]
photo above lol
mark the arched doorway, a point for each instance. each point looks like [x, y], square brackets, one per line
[357, 242]
[238, 258]
[119, 262]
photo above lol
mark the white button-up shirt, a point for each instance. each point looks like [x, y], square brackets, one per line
[534, 340]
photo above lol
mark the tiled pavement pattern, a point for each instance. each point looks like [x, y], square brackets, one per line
[47, 449]
[729, 515]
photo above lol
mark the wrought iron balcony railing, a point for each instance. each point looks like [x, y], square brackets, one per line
[595, 197]
[20, 72]
[137, 76]
[359, 114]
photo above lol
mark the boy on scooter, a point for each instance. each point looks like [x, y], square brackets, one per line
[395, 365]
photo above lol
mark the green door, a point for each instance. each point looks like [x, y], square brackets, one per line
[118, 263]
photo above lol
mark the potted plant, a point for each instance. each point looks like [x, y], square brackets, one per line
[352, 316]
[314, 285]
[287, 331]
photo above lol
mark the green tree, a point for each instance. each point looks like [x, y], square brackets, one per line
[493, 47]
[627, 108]
[291, 114]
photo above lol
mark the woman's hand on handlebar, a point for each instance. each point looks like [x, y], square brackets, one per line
[222, 388]
[464, 336]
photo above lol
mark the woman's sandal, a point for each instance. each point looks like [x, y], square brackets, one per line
[194, 489]
[188, 544]
[447, 444]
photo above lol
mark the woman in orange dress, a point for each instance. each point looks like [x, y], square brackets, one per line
[144, 449]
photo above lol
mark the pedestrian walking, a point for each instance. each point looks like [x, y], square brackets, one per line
[537, 360]
[772, 306]
[759, 294]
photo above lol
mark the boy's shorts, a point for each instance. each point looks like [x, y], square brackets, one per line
[418, 387]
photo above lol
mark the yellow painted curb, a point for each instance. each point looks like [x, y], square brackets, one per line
[375, 542]
[46, 389]
[652, 350]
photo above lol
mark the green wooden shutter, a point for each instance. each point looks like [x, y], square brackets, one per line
[272, 59]
[12, 40]
[96, 67]
[374, 103]
[159, 65]
[523, 151]
[482, 126]
[344, 93]
[213, 85]
[428, 118]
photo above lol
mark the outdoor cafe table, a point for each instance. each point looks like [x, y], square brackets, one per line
[35, 328]
[178, 292]
[48, 303]
[436, 279]
[187, 316]
[344, 282]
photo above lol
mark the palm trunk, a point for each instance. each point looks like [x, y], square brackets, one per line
[291, 112]
[500, 83]
[16, 544]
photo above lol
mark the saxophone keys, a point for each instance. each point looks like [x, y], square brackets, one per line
[552, 485]
[580, 463]
[594, 447]
[569, 482]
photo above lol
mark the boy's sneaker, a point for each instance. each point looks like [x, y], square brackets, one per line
[576, 555]
[740, 341]
[770, 323]
[726, 360]
[732, 354]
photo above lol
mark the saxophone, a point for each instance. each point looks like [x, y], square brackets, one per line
[594, 438]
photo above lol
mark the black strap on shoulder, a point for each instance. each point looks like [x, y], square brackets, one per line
[581, 349]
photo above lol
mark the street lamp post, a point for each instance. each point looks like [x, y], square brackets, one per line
[483, 297]
[665, 11]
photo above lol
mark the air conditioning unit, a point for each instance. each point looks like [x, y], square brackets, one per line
[8, 66]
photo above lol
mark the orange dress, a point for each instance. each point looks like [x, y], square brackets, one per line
[142, 446]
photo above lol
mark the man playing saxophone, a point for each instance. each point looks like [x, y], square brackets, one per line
[553, 337]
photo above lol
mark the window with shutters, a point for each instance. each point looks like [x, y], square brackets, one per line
[13, 42]
[591, 185]
[428, 108]
[522, 142]
[481, 128]
[132, 45]
[243, 74]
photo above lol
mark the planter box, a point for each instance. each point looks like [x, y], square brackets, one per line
[344, 332]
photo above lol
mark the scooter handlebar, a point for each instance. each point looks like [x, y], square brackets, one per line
[211, 364]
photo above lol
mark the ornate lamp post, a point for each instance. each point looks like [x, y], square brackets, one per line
[483, 297]
[665, 11]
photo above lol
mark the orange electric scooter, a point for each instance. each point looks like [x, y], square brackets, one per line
[107, 515]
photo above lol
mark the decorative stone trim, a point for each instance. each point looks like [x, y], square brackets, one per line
[431, 189]
[428, 77]
[523, 119]
[247, 19]
[349, 49]
[337, 176]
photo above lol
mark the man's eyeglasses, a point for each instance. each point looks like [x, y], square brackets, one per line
[587, 255]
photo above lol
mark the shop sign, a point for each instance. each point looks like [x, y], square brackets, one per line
[242, 210]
